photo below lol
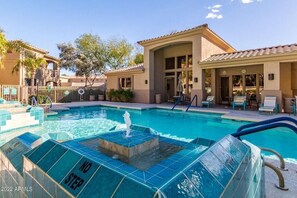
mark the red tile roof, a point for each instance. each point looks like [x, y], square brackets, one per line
[281, 49]
[174, 33]
[139, 67]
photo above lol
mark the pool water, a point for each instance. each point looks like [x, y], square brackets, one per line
[82, 122]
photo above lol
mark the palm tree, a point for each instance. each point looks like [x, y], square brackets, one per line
[31, 63]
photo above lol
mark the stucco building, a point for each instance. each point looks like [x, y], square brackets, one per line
[208, 66]
[46, 75]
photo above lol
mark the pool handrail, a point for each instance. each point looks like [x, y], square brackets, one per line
[50, 100]
[263, 128]
[273, 120]
[34, 101]
[194, 97]
[177, 102]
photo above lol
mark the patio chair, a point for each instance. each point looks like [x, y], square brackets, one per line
[239, 101]
[209, 101]
[269, 105]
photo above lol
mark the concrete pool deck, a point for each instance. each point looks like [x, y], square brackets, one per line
[227, 113]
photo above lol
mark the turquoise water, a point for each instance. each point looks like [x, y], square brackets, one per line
[82, 122]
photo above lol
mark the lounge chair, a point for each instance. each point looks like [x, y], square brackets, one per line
[269, 105]
[239, 101]
[209, 101]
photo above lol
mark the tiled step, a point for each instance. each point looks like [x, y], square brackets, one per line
[14, 110]
[19, 120]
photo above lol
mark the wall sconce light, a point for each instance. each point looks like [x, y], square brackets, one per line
[271, 76]
[195, 79]
[243, 71]
[145, 82]
[224, 72]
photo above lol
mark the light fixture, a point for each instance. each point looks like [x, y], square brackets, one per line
[145, 82]
[243, 71]
[224, 72]
[196, 79]
[271, 76]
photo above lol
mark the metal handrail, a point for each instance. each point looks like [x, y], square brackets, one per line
[264, 127]
[51, 103]
[192, 102]
[289, 119]
[281, 159]
[177, 102]
[34, 101]
[281, 180]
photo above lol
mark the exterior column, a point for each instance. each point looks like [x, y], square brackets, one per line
[272, 85]
[197, 71]
[213, 84]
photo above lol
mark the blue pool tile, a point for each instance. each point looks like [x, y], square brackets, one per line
[224, 157]
[167, 173]
[51, 157]
[232, 150]
[41, 150]
[142, 175]
[239, 145]
[79, 176]
[125, 190]
[64, 165]
[156, 181]
[156, 169]
[103, 184]
[203, 180]
[216, 168]
[181, 187]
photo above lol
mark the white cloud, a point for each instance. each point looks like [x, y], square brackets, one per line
[212, 15]
[214, 12]
[249, 1]
[217, 6]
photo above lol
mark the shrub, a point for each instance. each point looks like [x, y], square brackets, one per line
[41, 99]
[120, 95]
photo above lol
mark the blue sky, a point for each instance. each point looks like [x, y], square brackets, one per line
[245, 24]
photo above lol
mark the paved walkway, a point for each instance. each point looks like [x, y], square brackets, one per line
[227, 113]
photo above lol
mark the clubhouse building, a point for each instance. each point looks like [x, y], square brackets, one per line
[208, 65]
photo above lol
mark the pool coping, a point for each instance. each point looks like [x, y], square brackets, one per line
[228, 114]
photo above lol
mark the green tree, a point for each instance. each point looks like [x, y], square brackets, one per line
[139, 58]
[31, 63]
[3, 47]
[85, 59]
[117, 53]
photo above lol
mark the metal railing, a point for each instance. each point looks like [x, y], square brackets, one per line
[50, 100]
[34, 101]
[281, 180]
[281, 159]
[286, 122]
[194, 97]
[177, 102]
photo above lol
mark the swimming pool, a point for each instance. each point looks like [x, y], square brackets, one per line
[82, 122]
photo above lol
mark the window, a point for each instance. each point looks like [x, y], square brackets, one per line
[181, 62]
[169, 63]
[125, 83]
[190, 60]
[237, 85]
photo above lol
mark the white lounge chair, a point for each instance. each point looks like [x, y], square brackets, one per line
[269, 105]
[209, 101]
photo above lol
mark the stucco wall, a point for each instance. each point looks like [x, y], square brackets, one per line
[294, 78]
[285, 83]
[6, 76]
[272, 68]
[209, 48]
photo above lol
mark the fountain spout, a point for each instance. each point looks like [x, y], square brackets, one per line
[128, 123]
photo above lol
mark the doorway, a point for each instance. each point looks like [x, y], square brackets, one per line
[225, 90]
[169, 87]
